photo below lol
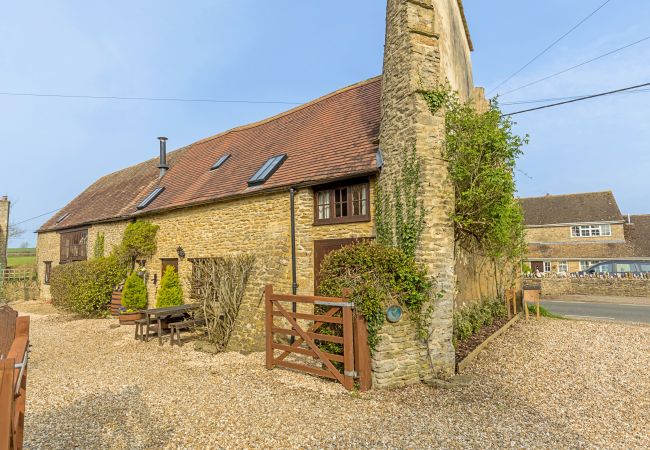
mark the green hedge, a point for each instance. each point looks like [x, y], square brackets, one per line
[470, 319]
[85, 287]
[378, 277]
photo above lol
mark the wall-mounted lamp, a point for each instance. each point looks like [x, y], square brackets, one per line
[180, 252]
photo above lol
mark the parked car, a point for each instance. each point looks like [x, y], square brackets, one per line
[618, 267]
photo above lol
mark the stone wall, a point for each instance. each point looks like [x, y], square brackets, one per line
[4, 230]
[423, 50]
[259, 225]
[554, 287]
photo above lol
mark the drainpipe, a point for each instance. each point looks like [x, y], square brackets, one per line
[294, 282]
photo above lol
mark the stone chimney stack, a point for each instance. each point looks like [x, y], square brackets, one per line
[4, 230]
[427, 45]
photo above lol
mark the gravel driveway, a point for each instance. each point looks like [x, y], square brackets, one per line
[547, 384]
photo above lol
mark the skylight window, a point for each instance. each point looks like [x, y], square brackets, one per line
[62, 218]
[220, 161]
[150, 198]
[267, 170]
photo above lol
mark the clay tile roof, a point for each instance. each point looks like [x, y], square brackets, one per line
[333, 137]
[571, 208]
[637, 233]
[112, 196]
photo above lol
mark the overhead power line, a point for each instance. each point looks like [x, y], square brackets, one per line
[576, 66]
[577, 99]
[573, 28]
[149, 99]
[36, 217]
[556, 99]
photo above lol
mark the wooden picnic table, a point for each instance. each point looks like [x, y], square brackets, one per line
[160, 314]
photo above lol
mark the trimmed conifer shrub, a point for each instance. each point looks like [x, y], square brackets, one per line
[134, 295]
[170, 293]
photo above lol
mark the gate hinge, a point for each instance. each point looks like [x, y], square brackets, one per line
[352, 374]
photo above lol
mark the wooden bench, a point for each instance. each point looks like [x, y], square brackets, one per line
[176, 327]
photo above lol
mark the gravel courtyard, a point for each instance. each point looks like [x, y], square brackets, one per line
[548, 384]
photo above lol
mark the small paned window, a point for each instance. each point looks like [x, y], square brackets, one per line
[591, 230]
[563, 266]
[267, 169]
[547, 266]
[48, 272]
[341, 204]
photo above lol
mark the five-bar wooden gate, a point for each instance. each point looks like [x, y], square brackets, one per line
[356, 355]
[13, 378]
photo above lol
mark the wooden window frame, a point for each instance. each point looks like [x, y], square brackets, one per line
[48, 272]
[349, 202]
[65, 238]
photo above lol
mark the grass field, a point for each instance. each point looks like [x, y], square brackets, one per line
[19, 261]
[20, 257]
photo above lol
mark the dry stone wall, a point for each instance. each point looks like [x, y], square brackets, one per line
[554, 287]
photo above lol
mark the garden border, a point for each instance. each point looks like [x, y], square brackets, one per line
[461, 366]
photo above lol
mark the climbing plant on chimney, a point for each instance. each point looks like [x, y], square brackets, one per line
[481, 150]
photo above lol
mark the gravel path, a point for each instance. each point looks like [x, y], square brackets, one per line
[547, 384]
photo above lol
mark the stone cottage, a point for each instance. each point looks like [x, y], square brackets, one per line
[571, 232]
[236, 191]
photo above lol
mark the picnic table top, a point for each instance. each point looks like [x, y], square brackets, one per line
[169, 309]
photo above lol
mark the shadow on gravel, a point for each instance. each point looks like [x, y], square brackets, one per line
[109, 420]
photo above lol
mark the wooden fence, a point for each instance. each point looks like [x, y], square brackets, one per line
[355, 359]
[13, 381]
[10, 275]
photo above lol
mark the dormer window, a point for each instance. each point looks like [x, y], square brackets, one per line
[591, 230]
[342, 203]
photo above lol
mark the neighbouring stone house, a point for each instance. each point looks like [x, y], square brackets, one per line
[568, 233]
[233, 192]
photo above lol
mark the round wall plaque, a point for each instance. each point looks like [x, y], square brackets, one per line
[394, 313]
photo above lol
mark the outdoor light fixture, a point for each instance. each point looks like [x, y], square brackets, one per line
[181, 252]
[394, 313]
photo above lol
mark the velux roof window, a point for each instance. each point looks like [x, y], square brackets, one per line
[220, 161]
[150, 198]
[267, 170]
[63, 217]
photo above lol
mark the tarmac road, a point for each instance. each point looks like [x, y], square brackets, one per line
[585, 309]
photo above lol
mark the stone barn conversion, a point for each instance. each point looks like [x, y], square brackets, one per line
[238, 190]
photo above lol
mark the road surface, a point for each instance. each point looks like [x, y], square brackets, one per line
[624, 312]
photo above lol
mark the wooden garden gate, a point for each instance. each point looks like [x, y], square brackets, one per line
[356, 355]
[14, 352]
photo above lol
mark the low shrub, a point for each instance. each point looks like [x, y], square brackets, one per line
[378, 276]
[170, 293]
[85, 287]
[470, 319]
[134, 294]
[532, 309]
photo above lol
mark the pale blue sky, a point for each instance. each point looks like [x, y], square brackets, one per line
[291, 50]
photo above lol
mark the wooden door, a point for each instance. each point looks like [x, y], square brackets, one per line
[169, 262]
[323, 247]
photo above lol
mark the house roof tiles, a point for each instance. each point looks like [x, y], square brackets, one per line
[571, 208]
[333, 137]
